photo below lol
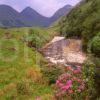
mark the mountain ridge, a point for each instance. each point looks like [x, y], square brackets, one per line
[9, 17]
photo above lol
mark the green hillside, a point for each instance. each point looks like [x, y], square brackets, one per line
[25, 74]
[20, 73]
[83, 21]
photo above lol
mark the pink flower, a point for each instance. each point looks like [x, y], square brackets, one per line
[79, 90]
[69, 68]
[64, 76]
[70, 91]
[60, 85]
[77, 71]
[77, 79]
[69, 82]
[74, 79]
[38, 98]
[81, 87]
[67, 86]
[57, 82]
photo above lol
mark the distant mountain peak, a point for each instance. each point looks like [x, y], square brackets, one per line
[9, 17]
[31, 11]
[3, 6]
[28, 8]
[67, 6]
[61, 12]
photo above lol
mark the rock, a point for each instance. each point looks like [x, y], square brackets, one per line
[75, 57]
[64, 51]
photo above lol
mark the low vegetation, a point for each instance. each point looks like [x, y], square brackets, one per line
[84, 22]
[26, 75]
[20, 65]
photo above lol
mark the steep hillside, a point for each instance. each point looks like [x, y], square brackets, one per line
[61, 12]
[83, 21]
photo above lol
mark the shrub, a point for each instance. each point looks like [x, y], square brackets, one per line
[23, 88]
[88, 74]
[96, 61]
[33, 39]
[51, 73]
[70, 84]
[34, 75]
[95, 46]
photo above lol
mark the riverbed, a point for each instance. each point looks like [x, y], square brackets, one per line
[64, 51]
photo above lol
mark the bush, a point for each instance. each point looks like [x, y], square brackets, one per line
[51, 73]
[23, 88]
[71, 84]
[89, 69]
[95, 46]
[34, 39]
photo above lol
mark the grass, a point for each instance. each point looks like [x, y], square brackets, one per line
[19, 63]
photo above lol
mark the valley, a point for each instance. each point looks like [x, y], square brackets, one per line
[56, 58]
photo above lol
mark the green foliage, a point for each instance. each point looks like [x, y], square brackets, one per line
[38, 37]
[51, 73]
[95, 46]
[82, 22]
[34, 39]
[19, 62]
[23, 88]
[89, 75]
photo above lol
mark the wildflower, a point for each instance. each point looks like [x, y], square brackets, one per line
[67, 80]
[38, 98]
[77, 71]
[79, 90]
[70, 91]
[67, 86]
[69, 68]
[81, 87]
[57, 82]
[69, 83]
[79, 80]
[64, 76]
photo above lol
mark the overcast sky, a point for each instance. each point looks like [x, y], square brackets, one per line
[44, 7]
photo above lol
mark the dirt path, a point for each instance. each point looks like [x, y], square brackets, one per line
[64, 51]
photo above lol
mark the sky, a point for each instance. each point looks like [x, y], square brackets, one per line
[45, 7]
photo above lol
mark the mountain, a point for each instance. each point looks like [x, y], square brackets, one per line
[61, 12]
[33, 18]
[9, 17]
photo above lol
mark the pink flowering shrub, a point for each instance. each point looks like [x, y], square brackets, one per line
[38, 98]
[70, 82]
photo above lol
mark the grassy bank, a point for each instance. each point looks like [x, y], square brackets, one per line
[20, 65]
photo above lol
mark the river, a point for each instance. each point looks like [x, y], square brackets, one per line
[64, 51]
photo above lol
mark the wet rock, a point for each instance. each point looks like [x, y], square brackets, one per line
[64, 51]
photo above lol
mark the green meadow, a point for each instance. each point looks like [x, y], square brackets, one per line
[20, 65]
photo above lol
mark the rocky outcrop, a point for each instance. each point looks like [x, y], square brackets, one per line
[64, 51]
